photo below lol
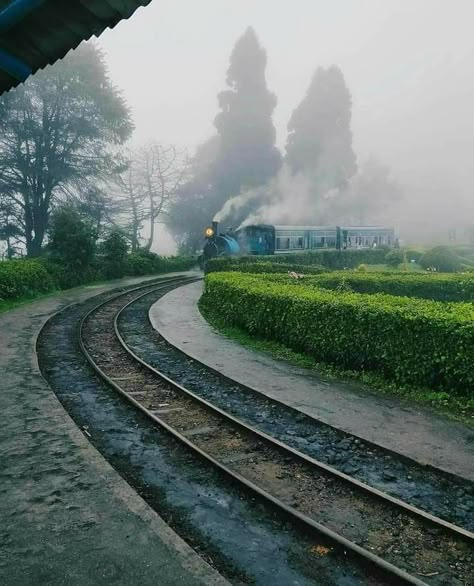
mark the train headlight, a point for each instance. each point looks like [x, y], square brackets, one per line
[209, 232]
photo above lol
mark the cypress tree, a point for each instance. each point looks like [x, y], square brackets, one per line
[319, 132]
[247, 155]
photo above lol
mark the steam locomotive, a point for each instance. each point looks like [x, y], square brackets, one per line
[262, 239]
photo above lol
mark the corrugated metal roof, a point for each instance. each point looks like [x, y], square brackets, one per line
[54, 27]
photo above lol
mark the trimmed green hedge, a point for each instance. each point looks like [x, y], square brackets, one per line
[21, 278]
[26, 278]
[438, 287]
[145, 263]
[409, 341]
[332, 259]
[227, 264]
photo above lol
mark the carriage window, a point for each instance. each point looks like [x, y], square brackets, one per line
[282, 243]
[323, 239]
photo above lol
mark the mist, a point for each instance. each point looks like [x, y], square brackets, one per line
[409, 68]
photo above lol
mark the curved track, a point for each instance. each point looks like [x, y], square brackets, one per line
[431, 489]
[354, 516]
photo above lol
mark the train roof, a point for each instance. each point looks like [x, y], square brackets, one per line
[290, 228]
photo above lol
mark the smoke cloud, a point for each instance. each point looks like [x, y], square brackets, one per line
[296, 199]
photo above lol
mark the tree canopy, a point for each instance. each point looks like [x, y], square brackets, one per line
[243, 153]
[319, 132]
[247, 154]
[56, 136]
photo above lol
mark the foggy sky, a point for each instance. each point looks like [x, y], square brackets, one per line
[409, 65]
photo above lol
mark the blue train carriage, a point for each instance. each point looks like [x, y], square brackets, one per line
[301, 238]
[257, 239]
[265, 239]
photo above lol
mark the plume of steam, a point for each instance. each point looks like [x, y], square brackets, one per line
[285, 199]
[235, 204]
[299, 199]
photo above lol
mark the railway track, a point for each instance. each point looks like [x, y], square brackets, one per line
[436, 491]
[400, 542]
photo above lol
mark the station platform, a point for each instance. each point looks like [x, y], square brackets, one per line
[66, 516]
[409, 430]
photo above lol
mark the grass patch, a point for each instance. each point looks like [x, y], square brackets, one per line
[410, 267]
[458, 409]
[8, 304]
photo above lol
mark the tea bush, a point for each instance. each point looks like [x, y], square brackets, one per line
[441, 258]
[27, 278]
[332, 259]
[22, 278]
[439, 287]
[229, 264]
[408, 341]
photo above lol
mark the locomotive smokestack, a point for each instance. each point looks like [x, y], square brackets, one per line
[214, 227]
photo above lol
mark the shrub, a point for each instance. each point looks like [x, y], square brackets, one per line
[144, 262]
[21, 278]
[438, 287]
[229, 264]
[441, 258]
[409, 341]
[138, 264]
[114, 255]
[332, 259]
[413, 254]
[71, 240]
[395, 257]
[66, 277]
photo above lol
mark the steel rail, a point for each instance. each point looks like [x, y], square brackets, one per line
[390, 571]
[369, 443]
[357, 484]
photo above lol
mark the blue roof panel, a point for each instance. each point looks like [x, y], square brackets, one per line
[54, 27]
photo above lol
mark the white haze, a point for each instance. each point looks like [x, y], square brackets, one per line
[409, 66]
[294, 200]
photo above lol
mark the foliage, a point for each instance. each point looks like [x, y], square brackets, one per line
[441, 258]
[247, 154]
[71, 239]
[228, 264]
[144, 262]
[438, 287]
[242, 154]
[195, 205]
[332, 259]
[414, 254]
[319, 132]
[354, 331]
[114, 254]
[26, 278]
[140, 264]
[65, 277]
[22, 278]
[57, 131]
[459, 407]
[395, 257]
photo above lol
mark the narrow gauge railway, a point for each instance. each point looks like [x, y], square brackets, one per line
[246, 539]
[408, 545]
[426, 487]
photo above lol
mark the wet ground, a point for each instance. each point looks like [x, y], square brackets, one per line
[434, 491]
[410, 430]
[66, 516]
[240, 536]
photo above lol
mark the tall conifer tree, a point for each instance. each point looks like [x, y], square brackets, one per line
[319, 132]
[247, 155]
